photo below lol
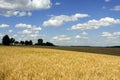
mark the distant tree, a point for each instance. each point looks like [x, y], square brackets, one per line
[40, 41]
[16, 42]
[26, 42]
[43, 44]
[36, 43]
[12, 40]
[6, 40]
[49, 44]
[30, 42]
[22, 42]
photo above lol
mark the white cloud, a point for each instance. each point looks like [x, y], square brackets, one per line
[36, 32]
[25, 32]
[22, 14]
[84, 33]
[61, 38]
[107, 0]
[116, 33]
[77, 36]
[28, 26]
[9, 7]
[10, 31]
[15, 13]
[4, 26]
[29, 14]
[21, 25]
[56, 21]
[81, 37]
[57, 3]
[14, 36]
[116, 8]
[30, 36]
[109, 35]
[34, 35]
[84, 37]
[36, 28]
[9, 13]
[95, 24]
[29, 32]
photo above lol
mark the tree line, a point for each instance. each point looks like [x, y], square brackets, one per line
[6, 40]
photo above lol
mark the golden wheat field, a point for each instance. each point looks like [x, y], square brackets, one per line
[29, 63]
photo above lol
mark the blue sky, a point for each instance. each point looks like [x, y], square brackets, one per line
[63, 22]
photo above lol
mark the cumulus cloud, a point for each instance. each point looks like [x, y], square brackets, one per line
[36, 28]
[116, 33]
[61, 38]
[81, 37]
[95, 24]
[56, 21]
[28, 26]
[15, 13]
[57, 3]
[107, 0]
[10, 31]
[29, 14]
[31, 36]
[23, 13]
[21, 25]
[4, 26]
[28, 30]
[34, 35]
[14, 7]
[116, 8]
[77, 36]
[14, 36]
[84, 33]
[109, 35]
[24, 32]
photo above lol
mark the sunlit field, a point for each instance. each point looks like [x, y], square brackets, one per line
[33, 63]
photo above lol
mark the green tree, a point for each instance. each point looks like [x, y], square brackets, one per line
[16, 42]
[49, 44]
[26, 42]
[6, 40]
[30, 42]
[12, 40]
[40, 41]
[22, 42]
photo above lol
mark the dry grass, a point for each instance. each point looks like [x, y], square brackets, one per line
[27, 63]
